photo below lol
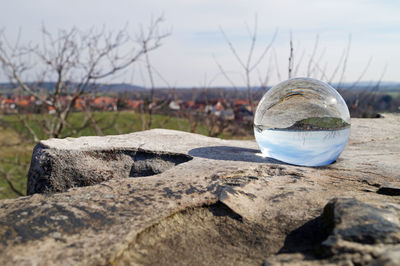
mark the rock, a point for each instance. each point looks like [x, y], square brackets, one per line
[359, 230]
[356, 234]
[54, 169]
[391, 257]
[355, 221]
[169, 197]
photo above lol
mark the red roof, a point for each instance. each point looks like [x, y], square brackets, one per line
[135, 104]
[190, 103]
[104, 101]
[79, 103]
[241, 102]
[9, 101]
[22, 102]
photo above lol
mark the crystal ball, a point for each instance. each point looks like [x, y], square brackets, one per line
[302, 121]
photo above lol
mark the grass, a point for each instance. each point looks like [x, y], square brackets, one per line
[111, 123]
[15, 155]
[16, 144]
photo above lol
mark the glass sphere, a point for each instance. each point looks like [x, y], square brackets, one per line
[302, 121]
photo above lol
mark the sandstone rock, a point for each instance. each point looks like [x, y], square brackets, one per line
[357, 234]
[391, 257]
[362, 229]
[169, 197]
[356, 221]
[56, 170]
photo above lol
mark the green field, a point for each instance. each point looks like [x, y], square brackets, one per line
[14, 159]
[17, 145]
[109, 122]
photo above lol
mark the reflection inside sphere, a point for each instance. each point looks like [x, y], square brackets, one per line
[302, 121]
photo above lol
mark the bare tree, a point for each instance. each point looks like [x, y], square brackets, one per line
[249, 63]
[59, 71]
[360, 101]
[75, 60]
[291, 57]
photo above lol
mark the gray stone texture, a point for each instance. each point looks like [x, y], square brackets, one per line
[163, 197]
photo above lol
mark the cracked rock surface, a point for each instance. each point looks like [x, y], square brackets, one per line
[163, 197]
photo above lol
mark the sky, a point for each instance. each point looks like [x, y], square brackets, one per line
[311, 148]
[189, 57]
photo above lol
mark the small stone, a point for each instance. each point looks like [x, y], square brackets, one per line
[355, 221]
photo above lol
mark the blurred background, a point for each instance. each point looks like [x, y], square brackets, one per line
[97, 67]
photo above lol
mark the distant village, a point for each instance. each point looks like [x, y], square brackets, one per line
[227, 104]
[238, 109]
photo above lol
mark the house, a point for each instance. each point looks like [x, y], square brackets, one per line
[8, 105]
[174, 106]
[80, 104]
[134, 104]
[105, 103]
[51, 110]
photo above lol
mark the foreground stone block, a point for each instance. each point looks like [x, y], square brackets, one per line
[56, 170]
[168, 197]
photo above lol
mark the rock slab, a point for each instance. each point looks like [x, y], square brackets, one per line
[168, 197]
